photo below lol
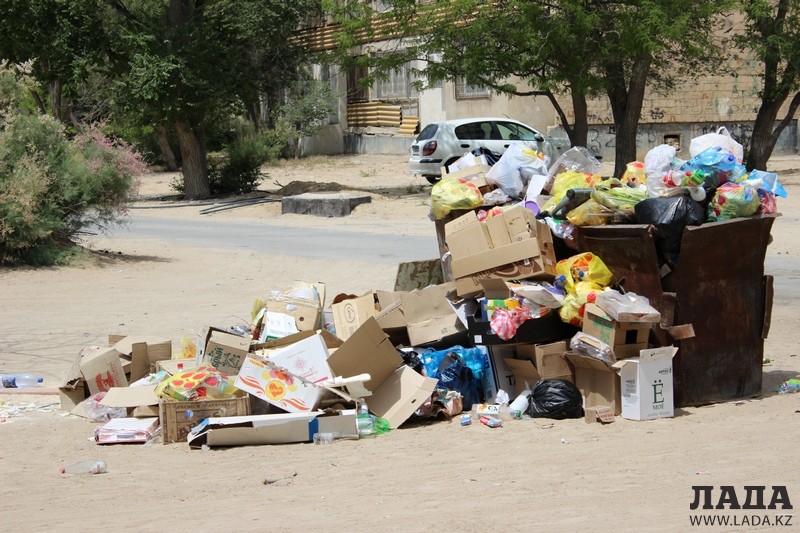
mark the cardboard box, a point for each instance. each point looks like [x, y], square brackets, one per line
[102, 369]
[430, 317]
[467, 236]
[390, 315]
[140, 354]
[498, 376]
[279, 428]
[598, 383]
[626, 339]
[647, 384]
[286, 378]
[349, 312]
[525, 375]
[602, 414]
[306, 312]
[225, 351]
[397, 390]
[178, 418]
[548, 359]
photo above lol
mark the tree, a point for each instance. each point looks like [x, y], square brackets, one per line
[193, 63]
[576, 47]
[309, 104]
[772, 35]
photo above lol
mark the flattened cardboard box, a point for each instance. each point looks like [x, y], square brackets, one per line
[598, 383]
[397, 390]
[282, 428]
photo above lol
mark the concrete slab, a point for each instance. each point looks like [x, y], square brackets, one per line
[324, 204]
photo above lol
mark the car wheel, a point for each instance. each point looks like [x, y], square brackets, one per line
[433, 179]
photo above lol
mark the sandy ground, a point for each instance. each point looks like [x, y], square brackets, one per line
[561, 476]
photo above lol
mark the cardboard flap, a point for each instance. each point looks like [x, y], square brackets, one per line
[495, 289]
[523, 371]
[585, 361]
[125, 344]
[622, 362]
[427, 304]
[367, 351]
[130, 396]
[400, 395]
[658, 354]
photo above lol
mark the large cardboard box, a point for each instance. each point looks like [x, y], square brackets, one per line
[548, 359]
[626, 339]
[525, 375]
[498, 376]
[598, 383]
[178, 418]
[307, 312]
[278, 428]
[102, 369]
[430, 317]
[225, 351]
[397, 390]
[287, 378]
[349, 312]
[647, 385]
[140, 354]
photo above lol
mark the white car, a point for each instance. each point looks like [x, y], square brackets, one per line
[441, 143]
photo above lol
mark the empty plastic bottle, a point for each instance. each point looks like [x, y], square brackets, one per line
[364, 421]
[94, 466]
[18, 381]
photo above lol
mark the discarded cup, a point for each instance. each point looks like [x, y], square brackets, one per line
[97, 466]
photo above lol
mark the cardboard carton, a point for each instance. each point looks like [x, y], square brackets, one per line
[430, 317]
[626, 339]
[647, 384]
[178, 418]
[102, 369]
[350, 311]
[598, 383]
[548, 359]
[286, 379]
[525, 375]
[140, 354]
[279, 428]
[307, 312]
[225, 351]
[397, 390]
[498, 376]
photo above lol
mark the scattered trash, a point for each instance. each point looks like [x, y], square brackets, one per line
[94, 466]
[789, 386]
[280, 480]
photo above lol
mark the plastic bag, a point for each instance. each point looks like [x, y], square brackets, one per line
[455, 375]
[506, 174]
[722, 138]
[450, 194]
[203, 382]
[475, 358]
[102, 413]
[577, 159]
[717, 165]
[585, 344]
[557, 399]
[634, 173]
[590, 213]
[619, 198]
[733, 200]
[669, 215]
[571, 312]
[767, 181]
[505, 322]
[583, 267]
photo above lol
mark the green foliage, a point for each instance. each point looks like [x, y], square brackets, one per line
[308, 105]
[52, 188]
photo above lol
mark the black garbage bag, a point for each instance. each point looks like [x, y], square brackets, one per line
[492, 157]
[557, 399]
[669, 215]
[455, 375]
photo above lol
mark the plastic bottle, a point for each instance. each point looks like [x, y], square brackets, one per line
[95, 466]
[14, 381]
[520, 403]
[364, 421]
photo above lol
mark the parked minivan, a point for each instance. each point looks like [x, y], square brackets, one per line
[442, 143]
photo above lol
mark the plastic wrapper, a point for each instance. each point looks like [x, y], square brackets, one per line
[505, 322]
[451, 194]
[658, 162]
[557, 399]
[768, 203]
[455, 375]
[496, 197]
[628, 307]
[541, 293]
[584, 344]
[203, 382]
[634, 173]
[591, 213]
[733, 200]
[506, 172]
[102, 413]
[622, 199]
[719, 139]
[577, 159]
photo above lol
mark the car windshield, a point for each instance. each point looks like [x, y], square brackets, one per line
[428, 132]
[510, 131]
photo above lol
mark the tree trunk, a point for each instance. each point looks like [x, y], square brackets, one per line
[580, 129]
[195, 165]
[765, 133]
[166, 150]
[55, 89]
[39, 103]
[626, 107]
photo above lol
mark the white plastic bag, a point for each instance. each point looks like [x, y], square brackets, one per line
[721, 138]
[505, 173]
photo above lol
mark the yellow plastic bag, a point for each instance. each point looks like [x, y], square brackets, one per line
[590, 213]
[574, 303]
[451, 194]
[564, 181]
[583, 267]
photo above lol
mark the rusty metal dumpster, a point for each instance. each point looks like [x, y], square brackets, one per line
[716, 303]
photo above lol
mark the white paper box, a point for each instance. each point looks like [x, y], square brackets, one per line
[647, 386]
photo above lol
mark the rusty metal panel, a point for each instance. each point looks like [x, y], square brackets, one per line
[720, 290]
[628, 251]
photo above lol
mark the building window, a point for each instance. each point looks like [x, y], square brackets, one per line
[397, 85]
[465, 90]
[332, 79]
[355, 93]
